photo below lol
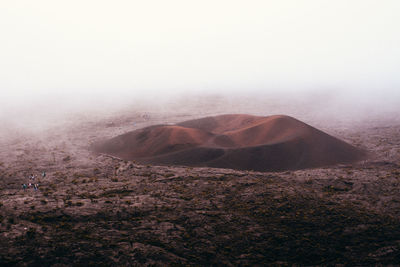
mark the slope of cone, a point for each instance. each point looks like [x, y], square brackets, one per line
[233, 141]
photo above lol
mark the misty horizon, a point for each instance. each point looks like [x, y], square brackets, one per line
[65, 58]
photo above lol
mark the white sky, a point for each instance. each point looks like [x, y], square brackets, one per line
[81, 48]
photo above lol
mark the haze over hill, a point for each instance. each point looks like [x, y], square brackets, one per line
[140, 74]
[233, 141]
[144, 53]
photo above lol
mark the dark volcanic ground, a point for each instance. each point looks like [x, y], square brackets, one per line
[98, 210]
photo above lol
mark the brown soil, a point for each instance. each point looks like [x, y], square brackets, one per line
[242, 142]
[98, 210]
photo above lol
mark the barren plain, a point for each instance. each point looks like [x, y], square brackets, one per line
[97, 210]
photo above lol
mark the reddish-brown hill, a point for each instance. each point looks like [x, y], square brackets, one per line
[233, 141]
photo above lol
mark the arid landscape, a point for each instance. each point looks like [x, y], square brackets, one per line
[199, 133]
[95, 209]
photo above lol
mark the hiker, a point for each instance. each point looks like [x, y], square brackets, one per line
[43, 174]
[145, 116]
[35, 186]
[24, 186]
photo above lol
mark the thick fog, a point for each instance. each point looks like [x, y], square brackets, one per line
[58, 57]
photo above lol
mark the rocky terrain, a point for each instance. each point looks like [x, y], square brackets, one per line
[98, 210]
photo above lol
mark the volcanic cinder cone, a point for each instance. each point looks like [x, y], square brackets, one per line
[242, 142]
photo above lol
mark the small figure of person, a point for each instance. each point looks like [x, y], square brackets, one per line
[24, 186]
[43, 174]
